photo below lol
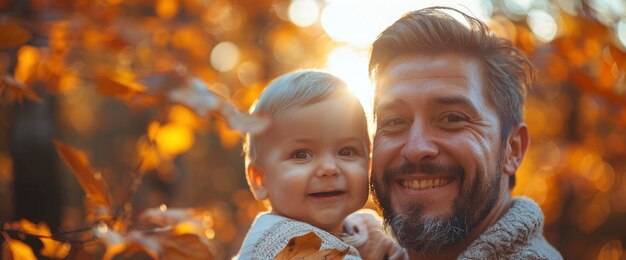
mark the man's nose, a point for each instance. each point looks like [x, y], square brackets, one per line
[328, 166]
[419, 144]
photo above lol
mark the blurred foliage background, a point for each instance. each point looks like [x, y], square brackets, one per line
[91, 72]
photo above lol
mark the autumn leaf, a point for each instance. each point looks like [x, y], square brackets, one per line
[115, 243]
[168, 217]
[242, 121]
[13, 90]
[121, 86]
[178, 234]
[197, 96]
[13, 35]
[18, 250]
[307, 246]
[91, 182]
[51, 248]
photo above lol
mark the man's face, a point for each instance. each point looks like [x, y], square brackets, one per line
[437, 153]
[314, 162]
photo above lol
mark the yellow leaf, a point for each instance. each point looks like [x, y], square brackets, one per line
[148, 154]
[113, 250]
[91, 182]
[19, 250]
[13, 35]
[51, 248]
[307, 246]
[54, 249]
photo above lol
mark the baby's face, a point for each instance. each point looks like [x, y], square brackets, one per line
[314, 160]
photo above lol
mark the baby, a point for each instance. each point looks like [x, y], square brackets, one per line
[311, 168]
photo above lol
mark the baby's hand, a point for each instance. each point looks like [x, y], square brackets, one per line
[365, 234]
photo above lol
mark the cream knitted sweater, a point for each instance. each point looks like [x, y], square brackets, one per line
[270, 233]
[517, 235]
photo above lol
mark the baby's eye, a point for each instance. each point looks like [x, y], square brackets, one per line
[301, 154]
[348, 151]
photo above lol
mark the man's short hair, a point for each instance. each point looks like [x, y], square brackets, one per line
[432, 31]
[293, 89]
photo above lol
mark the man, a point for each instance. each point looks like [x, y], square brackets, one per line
[450, 137]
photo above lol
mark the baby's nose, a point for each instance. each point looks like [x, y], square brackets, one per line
[328, 167]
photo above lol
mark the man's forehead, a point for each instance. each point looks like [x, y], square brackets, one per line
[422, 67]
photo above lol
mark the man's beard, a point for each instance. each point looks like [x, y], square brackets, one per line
[412, 231]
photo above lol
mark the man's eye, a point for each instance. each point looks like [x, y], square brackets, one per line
[454, 118]
[301, 154]
[348, 151]
[394, 122]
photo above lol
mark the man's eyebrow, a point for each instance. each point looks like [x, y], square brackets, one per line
[457, 100]
[389, 104]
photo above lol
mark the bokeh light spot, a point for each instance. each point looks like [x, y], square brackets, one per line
[542, 24]
[224, 56]
[611, 250]
[518, 7]
[303, 13]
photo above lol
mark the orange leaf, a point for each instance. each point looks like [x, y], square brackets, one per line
[301, 246]
[307, 246]
[51, 248]
[119, 87]
[13, 35]
[185, 247]
[91, 182]
[18, 250]
[12, 90]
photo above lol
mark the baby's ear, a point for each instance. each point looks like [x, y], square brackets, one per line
[256, 181]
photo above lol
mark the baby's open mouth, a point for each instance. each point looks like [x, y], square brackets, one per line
[327, 194]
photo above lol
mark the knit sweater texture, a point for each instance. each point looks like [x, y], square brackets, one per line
[270, 233]
[517, 235]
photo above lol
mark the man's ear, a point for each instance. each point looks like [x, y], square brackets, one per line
[256, 181]
[516, 146]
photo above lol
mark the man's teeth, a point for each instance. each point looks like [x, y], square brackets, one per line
[424, 184]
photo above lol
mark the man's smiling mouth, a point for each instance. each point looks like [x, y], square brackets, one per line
[327, 194]
[425, 183]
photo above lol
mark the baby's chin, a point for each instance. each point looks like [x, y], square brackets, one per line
[330, 222]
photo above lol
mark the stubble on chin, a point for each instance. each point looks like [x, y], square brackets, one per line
[426, 235]
[408, 227]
